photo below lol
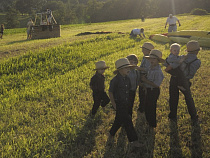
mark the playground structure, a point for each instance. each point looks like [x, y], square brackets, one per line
[47, 26]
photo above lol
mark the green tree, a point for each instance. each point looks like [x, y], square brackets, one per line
[58, 10]
[11, 18]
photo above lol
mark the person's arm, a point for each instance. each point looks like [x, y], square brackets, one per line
[169, 67]
[179, 22]
[140, 68]
[140, 35]
[166, 24]
[111, 96]
[145, 80]
[183, 58]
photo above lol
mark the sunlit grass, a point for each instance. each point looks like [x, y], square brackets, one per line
[46, 99]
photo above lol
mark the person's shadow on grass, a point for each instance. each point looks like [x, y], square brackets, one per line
[118, 149]
[84, 142]
[175, 147]
[196, 145]
[146, 136]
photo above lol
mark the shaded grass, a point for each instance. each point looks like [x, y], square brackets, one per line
[46, 101]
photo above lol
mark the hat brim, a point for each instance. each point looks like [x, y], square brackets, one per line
[159, 59]
[102, 68]
[200, 48]
[130, 66]
[146, 48]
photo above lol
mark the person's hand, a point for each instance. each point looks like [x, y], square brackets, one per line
[179, 24]
[168, 68]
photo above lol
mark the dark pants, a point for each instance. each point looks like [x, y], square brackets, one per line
[174, 99]
[179, 74]
[132, 95]
[131, 34]
[100, 98]
[142, 97]
[151, 105]
[123, 118]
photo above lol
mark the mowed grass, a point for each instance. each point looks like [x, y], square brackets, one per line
[46, 99]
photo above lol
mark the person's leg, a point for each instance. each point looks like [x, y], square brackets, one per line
[173, 98]
[142, 96]
[151, 105]
[105, 99]
[131, 34]
[128, 125]
[117, 122]
[190, 103]
[174, 28]
[181, 80]
[132, 95]
[97, 102]
[170, 29]
[28, 34]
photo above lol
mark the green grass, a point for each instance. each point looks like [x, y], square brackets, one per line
[46, 99]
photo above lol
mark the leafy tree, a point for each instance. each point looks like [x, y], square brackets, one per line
[11, 18]
[58, 10]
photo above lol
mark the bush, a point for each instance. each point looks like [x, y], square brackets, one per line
[198, 11]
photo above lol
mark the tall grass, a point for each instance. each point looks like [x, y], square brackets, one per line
[46, 101]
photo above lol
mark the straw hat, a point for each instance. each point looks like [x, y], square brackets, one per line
[122, 63]
[193, 46]
[148, 46]
[100, 65]
[156, 54]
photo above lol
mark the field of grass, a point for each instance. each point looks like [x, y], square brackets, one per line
[46, 100]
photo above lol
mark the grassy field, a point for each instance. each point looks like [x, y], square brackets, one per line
[46, 100]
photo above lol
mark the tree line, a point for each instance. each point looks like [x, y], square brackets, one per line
[86, 11]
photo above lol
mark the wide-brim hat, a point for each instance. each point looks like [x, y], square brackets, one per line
[155, 54]
[122, 63]
[193, 46]
[148, 46]
[100, 65]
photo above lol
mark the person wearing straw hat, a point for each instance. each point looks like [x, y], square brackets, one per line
[97, 85]
[134, 76]
[152, 83]
[190, 66]
[145, 64]
[119, 89]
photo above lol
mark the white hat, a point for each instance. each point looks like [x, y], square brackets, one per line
[193, 46]
[156, 54]
[148, 46]
[122, 63]
[100, 65]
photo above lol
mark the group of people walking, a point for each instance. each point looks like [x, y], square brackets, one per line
[148, 77]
